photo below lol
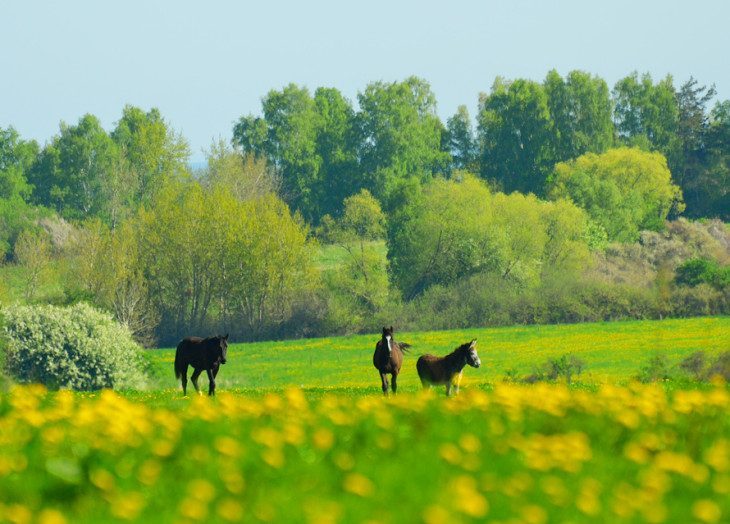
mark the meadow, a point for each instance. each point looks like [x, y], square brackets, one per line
[300, 432]
[612, 351]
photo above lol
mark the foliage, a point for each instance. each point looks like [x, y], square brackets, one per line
[461, 142]
[74, 347]
[515, 133]
[656, 368]
[246, 177]
[624, 190]
[253, 261]
[399, 138]
[702, 270]
[702, 367]
[564, 367]
[459, 228]
[33, 252]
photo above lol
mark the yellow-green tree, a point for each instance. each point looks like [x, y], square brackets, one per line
[623, 190]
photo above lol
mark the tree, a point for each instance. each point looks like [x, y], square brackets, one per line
[362, 281]
[690, 164]
[71, 172]
[33, 253]
[444, 235]
[245, 176]
[16, 214]
[460, 142]
[152, 151]
[515, 136]
[624, 190]
[337, 147]
[580, 108]
[716, 182]
[399, 143]
[646, 114]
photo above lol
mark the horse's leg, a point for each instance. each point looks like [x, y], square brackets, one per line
[211, 382]
[448, 388]
[457, 382]
[184, 380]
[384, 379]
[194, 379]
[394, 383]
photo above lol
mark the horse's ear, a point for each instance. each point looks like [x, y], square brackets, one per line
[385, 330]
[225, 337]
[391, 329]
[473, 343]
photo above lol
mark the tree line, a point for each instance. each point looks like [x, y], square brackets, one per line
[519, 218]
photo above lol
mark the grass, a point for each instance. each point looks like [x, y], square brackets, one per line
[613, 353]
[299, 432]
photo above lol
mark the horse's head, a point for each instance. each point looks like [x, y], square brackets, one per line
[470, 349]
[388, 338]
[222, 348]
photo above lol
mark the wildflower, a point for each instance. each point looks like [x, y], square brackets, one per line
[436, 515]
[323, 439]
[228, 446]
[467, 498]
[229, 509]
[128, 505]
[450, 453]
[533, 514]
[51, 516]
[358, 484]
[706, 510]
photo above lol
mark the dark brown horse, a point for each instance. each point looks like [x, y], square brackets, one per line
[202, 354]
[388, 358]
[439, 371]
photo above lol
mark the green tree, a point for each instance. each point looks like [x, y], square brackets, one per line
[460, 141]
[581, 109]
[516, 136]
[71, 172]
[362, 281]
[152, 151]
[646, 114]
[690, 165]
[33, 253]
[246, 176]
[716, 180]
[623, 190]
[337, 148]
[444, 235]
[399, 143]
[16, 214]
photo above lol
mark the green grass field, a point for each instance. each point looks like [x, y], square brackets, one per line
[613, 352]
[299, 432]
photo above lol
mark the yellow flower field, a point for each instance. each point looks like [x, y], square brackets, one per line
[534, 454]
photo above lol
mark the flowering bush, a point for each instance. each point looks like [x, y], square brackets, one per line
[75, 347]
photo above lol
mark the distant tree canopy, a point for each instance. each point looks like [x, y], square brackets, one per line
[623, 190]
[459, 227]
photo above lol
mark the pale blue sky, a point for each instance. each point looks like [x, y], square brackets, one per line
[204, 64]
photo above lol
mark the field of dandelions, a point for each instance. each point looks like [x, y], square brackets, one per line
[300, 432]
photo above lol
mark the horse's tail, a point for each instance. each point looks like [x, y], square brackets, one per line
[404, 346]
[178, 360]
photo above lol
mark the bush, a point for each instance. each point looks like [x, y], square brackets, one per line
[566, 366]
[74, 347]
[700, 367]
[657, 368]
[703, 271]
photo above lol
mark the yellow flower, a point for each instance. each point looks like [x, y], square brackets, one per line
[706, 510]
[128, 505]
[201, 490]
[230, 509]
[533, 514]
[323, 439]
[450, 453]
[436, 515]
[228, 446]
[51, 516]
[358, 484]
[102, 479]
[467, 499]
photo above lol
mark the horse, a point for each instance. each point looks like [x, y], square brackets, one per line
[388, 358]
[202, 354]
[436, 371]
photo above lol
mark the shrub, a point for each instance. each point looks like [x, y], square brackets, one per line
[700, 367]
[656, 368]
[74, 347]
[566, 366]
[703, 271]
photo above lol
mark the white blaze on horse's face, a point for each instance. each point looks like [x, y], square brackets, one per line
[473, 357]
[388, 338]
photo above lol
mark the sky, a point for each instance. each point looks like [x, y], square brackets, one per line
[205, 64]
